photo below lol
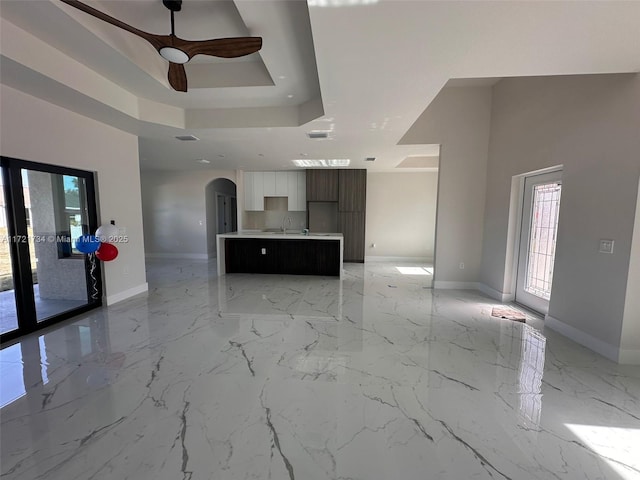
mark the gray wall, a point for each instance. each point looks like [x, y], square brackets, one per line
[590, 125]
[401, 214]
[174, 211]
[459, 120]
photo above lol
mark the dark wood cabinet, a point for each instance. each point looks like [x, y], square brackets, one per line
[322, 185]
[352, 203]
[282, 256]
[245, 255]
[347, 187]
[352, 227]
[352, 190]
[310, 257]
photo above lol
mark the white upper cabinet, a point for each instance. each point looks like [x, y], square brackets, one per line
[297, 191]
[269, 179]
[282, 186]
[292, 188]
[258, 185]
[253, 191]
[302, 190]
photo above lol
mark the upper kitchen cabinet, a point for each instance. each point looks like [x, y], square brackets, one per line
[296, 191]
[258, 185]
[322, 185]
[253, 191]
[275, 184]
[282, 185]
[352, 188]
[269, 184]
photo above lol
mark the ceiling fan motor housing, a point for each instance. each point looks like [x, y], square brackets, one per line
[173, 5]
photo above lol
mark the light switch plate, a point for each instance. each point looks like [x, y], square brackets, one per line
[606, 246]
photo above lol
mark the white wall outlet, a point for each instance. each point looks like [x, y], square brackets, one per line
[606, 246]
[461, 265]
[263, 251]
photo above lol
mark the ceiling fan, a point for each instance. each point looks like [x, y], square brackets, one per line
[176, 50]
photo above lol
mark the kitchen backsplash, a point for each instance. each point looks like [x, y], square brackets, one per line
[273, 216]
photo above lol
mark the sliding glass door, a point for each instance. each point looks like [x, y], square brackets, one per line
[8, 310]
[46, 209]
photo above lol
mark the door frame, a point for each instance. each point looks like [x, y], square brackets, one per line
[515, 226]
[227, 209]
[20, 261]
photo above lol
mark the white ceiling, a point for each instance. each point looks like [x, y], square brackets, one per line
[360, 69]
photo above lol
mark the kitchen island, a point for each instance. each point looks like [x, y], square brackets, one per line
[281, 253]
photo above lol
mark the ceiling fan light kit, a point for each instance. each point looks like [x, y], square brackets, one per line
[178, 51]
[174, 55]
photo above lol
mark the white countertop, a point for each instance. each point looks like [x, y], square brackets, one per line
[297, 235]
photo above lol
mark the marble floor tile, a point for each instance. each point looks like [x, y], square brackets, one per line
[373, 376]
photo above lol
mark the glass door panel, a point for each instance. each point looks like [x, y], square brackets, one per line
[43, 278]
[8, 311]
[538, 240]
[56, 216]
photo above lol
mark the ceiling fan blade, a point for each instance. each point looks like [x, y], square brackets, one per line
[220, 47]
[177, 77]
[158, 41]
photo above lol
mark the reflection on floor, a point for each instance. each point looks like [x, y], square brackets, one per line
[45, 308]
[373, 376]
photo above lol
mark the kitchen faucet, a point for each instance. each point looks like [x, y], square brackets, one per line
[285, 220]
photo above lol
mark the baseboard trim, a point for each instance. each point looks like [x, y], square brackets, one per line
[578, 336]
[628, 356]
[131, 292]
[187, 256]
[493, 293]
[381, 258]
[448, 285]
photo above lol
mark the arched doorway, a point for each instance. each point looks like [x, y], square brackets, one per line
[221, 210]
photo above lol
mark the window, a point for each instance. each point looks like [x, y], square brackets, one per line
[69, 195]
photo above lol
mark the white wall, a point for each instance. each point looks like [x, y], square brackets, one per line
[35, 130]
[459, 120]
[588, 124]
[174, 209]
[401, 214]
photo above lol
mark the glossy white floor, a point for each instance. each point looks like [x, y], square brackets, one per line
[257, 377]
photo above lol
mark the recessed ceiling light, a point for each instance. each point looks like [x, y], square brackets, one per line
[221, 155]
[321, 162]
[304, 154]
[261, 154]
[282, 77]
[289, 96]
[318, 134]
[204, 161]
[187, 138]
[370, 159]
